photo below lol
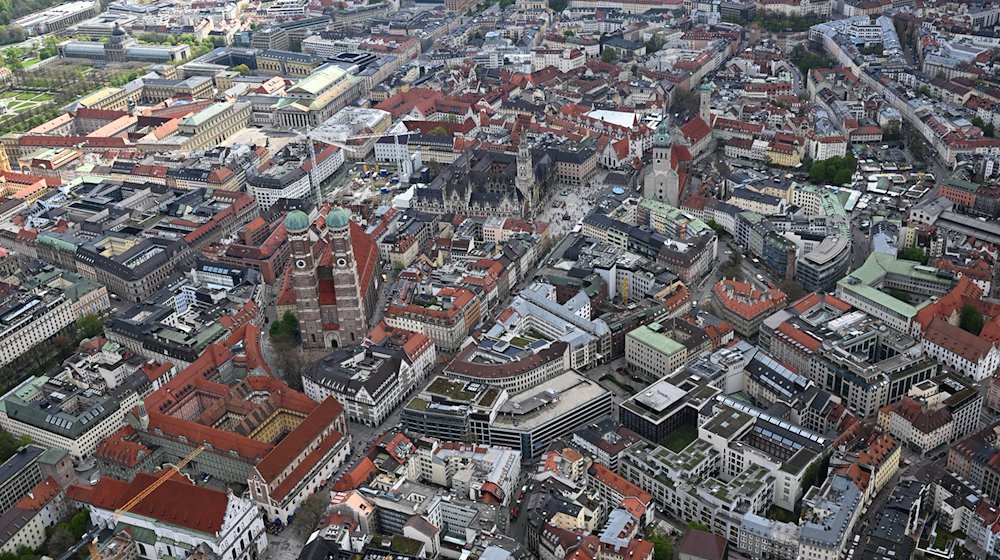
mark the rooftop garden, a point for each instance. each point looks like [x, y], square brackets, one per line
[680, 438]
[449, 388]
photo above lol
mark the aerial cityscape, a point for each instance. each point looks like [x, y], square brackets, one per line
[499, 280]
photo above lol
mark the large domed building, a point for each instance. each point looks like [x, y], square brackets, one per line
[333, 279]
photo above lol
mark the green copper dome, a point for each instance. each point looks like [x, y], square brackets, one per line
[297, 221]
[338, 218]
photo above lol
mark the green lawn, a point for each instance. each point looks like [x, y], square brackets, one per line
[680, 438]
[23, 101]
[535, 334]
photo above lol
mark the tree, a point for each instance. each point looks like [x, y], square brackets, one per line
[609, 55]
[775, 23]
[558, 5]
[290, 362]
[654, 44]
[284, 335]
[50, 48]
[568, 33]
[914, 142]
[733, 268]
[9, 444]
[695, 525]
[243, 69]
[60, 541]
[891, 130]
[663, 545]
[90, 325]
[12, 58]
[11, 34]
[437, 131]
[816, 474]
[719, 230]
[806, 60]
[899, 294]
[285, 329]
[913, 254]
[838, 170]
[78, 523]
[310, 512]
[970, 319]
[989, 130]
[793, 289]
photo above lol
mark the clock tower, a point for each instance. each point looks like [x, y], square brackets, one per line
[525, 180]
[662, 183]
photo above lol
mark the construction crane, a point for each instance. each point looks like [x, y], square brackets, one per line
[95, 554]
[312, 135]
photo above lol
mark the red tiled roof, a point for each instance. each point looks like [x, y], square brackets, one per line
[607, 477]
[745, 300]
[810, 301]
[302, 470]
[957, 340]
[924, 420]
[122, 449]
[299, 439]
[154, 371]
[196, 433]
[947, 305]
[799, 337]
[356, 477]
[699, 544]
[40, 495]
[175, 502]
[696, 129]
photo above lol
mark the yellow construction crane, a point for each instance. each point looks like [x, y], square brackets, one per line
[95, 554]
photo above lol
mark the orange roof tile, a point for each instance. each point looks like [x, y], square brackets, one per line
[175, 502]
[40, 495]
[299, 439]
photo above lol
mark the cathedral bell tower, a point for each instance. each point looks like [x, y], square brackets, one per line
[350, 310]
[304, 280]
[662, 183]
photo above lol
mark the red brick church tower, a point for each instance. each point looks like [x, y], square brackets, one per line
[333, 278]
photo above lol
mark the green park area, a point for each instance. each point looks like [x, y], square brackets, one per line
[14, 102]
